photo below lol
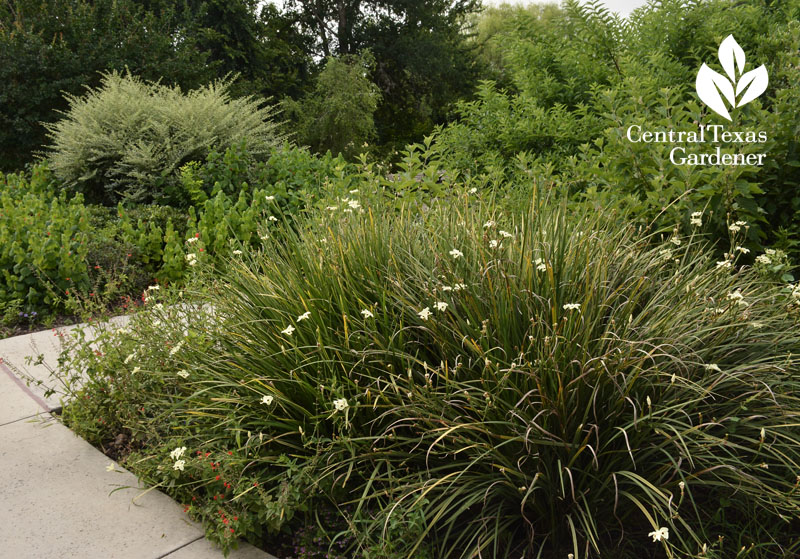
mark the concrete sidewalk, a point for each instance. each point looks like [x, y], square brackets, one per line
[56, 500]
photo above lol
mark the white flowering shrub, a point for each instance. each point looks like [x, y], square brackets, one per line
[458, 382]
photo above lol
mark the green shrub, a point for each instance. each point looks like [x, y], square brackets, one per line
[131, 243]
[639, 177]
[117, 252]
[43, 241]
[292, 175]
[127, 139]
[55, 249]
[458, 382]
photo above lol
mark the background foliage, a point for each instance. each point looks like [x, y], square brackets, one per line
[50, 47]
[572, 81]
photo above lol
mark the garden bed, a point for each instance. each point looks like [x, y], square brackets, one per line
[423, 376]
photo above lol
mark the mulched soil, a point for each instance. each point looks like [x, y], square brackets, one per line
[118, 448]
[9, 331]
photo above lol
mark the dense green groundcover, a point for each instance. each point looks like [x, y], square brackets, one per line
[55, 248]
[449, 380]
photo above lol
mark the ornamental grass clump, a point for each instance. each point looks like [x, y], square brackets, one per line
[462, 383]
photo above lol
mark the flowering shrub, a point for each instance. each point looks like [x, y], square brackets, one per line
[459, 382]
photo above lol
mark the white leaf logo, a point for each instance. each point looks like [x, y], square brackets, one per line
[714, 89]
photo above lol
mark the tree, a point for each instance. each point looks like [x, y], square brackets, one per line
[52, 47]
[285, 63]
[422, 60]
[338, 114]
[497, 26]
[265, 48]
[49, 47]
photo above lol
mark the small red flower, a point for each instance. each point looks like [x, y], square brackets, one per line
[217, 478]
